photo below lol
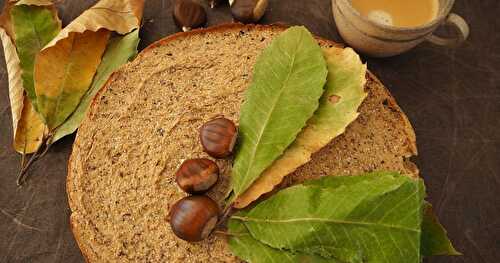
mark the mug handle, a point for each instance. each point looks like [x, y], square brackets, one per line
[461, 27]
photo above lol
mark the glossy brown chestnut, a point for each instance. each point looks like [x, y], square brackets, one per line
[248, 11]
[218, 137]
[214, 3]
[189, 14]
[196, 176]
[194, 217]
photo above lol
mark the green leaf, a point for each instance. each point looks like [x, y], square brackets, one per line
[288, 80]
[434, 239]
[337, 181]
[119, 51]
[379, 220]
[244, 246]
[338, 107]
[34, 27]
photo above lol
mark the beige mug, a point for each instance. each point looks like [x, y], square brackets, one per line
[379, 40]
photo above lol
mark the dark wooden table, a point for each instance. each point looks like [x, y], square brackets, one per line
[451, 96]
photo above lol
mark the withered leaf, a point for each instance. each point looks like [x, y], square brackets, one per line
[65, 67]
[28, 127]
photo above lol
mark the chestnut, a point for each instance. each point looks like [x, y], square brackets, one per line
[189, 14]
[196, 176]
[194, 217]
[214, 3]
[248, 11]
[218, 137]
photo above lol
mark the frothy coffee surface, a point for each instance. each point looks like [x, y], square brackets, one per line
[400, 13]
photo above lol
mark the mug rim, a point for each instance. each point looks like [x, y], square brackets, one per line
[396, 29]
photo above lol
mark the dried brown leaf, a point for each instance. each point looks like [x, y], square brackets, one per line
[5, 21]
[15, 81]
[30, 130]
[121, 16]
[34, 2]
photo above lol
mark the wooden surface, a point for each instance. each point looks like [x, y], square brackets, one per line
[451, 96]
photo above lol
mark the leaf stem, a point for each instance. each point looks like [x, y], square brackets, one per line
[23, 175]
[221, 232]
[225, 216]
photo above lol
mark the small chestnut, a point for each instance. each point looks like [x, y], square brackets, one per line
[196, 176]
[248, 11]
[194, 217]
[189, 14]
[214, 3]
[218, 137]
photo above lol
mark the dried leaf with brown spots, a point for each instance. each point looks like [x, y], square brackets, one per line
[30, 129]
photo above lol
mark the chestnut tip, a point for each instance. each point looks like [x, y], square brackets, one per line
[194, 217]
[197, 176]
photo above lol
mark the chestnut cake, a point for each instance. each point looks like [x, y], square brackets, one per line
[146, 120]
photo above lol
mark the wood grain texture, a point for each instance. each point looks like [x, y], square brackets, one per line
[451, 96]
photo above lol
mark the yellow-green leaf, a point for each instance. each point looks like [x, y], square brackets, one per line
[288, 80]
[338, 107]
[64, 72]
[119, 50]
[65, 67]
[28, 129]
[34, 27]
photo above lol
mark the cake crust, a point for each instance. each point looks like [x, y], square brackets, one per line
[143, 122]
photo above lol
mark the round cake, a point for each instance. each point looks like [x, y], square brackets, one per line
[146, 119]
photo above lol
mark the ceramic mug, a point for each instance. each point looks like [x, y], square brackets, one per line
[381, 40]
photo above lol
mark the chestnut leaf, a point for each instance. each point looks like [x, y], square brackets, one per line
[380, 219]
[244, 246]
[34, 27]
[434, 240]
[376, 217]
[65, 67]
[27, 27]
[338, 107]
[288, 80]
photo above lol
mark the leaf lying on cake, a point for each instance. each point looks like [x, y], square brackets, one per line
[64, 69]
[357, 217]
[119, 50]
[368, 218]
[244, 246]
[338, 107]
[287, 83]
